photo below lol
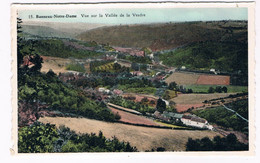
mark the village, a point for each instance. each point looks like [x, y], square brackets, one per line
[105, 78]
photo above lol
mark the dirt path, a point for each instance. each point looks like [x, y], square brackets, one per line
[143, 138]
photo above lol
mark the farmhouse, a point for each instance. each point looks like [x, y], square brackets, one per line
[103, 90]
[137, 73]
[117, 92]
[192, 120]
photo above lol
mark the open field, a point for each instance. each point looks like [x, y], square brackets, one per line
[143, 138]
[134, 119]
[182, 78]
[205, 88]
[189, 78]
[56, 64]
[186, 101]
[213, 80]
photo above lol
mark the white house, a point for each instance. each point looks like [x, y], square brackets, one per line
[103, 90]
[192, 120]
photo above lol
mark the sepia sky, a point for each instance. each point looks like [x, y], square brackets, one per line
[155, 15]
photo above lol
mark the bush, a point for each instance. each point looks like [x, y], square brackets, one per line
[229, 143]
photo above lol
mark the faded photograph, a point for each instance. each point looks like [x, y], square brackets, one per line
[139, 79]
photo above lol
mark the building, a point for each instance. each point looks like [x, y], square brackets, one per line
[194, 121]
[137, 73]
[103, 90]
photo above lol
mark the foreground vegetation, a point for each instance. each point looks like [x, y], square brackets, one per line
[42, 138]
[229, 143]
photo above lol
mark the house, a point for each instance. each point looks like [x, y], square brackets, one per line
[103, 90]
[117, 92]
[194, 121]
[183, 67]
[137, 73]
[151, 56]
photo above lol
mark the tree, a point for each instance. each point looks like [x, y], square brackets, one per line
[224, 89]
[218, 89]
[211, 90]
[172, 86]
[161, 105]
[190, 91]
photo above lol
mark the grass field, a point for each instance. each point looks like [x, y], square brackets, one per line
[143, 138]
[169, 125]
[144, 90]
[56, 64]
[182, 78]
[204, 88]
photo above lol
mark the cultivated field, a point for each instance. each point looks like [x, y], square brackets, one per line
[188, 78]
[182, 78]
[213, 80]
[186, 101]
[143, 138]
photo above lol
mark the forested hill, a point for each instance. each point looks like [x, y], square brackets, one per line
[167, 35]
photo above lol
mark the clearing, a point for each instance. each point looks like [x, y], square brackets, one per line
[56, 64]
[144, 138]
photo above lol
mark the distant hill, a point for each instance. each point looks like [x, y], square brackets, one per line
[43, 31]
[57, 29]
[167, 35]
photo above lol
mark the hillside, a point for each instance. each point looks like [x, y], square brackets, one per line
[144, 138]
[225, 56]
[167, 35]
[57, 29]
[63, 48]
[44, 31]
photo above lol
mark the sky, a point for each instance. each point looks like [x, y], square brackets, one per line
[155, 15]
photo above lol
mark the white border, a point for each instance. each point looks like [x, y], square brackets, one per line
[6, 116]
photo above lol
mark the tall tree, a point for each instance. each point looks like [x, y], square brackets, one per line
[161, 105]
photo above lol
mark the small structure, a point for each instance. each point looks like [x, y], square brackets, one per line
[137, 73]
[183, 67]
[103, 90]
[194, 121]
[117, 92]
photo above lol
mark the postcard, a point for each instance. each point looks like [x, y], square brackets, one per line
[133, 77]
